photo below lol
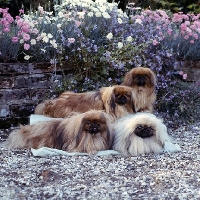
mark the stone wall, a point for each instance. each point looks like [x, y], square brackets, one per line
[22, 87]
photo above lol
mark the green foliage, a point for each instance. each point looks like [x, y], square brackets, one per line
[186, 6]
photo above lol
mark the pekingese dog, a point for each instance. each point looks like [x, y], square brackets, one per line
[70, 102]
[143, 82]
[87, 132]
[139, 133]
[116, 100]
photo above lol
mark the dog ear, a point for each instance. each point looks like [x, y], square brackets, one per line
[127, 145]
[112, 102]
[127, 79]
[153, 78]
[78, 129]
[133, 102]
[59, 139]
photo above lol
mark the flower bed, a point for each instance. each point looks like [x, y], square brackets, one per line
[102, 43]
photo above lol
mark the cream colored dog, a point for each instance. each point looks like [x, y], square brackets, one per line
[140, 133]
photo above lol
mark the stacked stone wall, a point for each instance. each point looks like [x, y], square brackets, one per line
[22, 87]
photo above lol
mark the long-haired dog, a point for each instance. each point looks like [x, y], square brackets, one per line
[69, 102]
[117, 101]
[139, 133]
[86, 132]
[143, 82]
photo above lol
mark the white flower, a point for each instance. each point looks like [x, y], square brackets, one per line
[120, 45]
[43, 35]
[59, 25]
[43, 50]
[81, 14]
[60, 14]
[33, 41]
[21, 41]
[102, 8]
[27, 57]
[71, 40]
[106, 15]
[45, 39]
[129, 39]
[53, 42]
[189, 30]
[119, 20]
[138, 21]
[49, 35]
[98, 14]
[90, 14]
[109, 36]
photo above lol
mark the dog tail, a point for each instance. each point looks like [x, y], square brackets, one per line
[15, 140]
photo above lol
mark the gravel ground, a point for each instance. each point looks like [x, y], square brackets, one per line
[152, 176]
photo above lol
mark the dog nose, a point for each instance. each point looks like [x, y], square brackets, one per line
[121, 100]
[141, 81]
[94, 128]
[144, 133]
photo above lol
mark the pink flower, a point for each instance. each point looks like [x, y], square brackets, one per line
[71, 40]
[186, 37]
[164, 25]
[9, 18]
[6, 30]
[78, 23]
[26, 37]
[169, 31]
[155, 42]
[25, 28]
[21, 11]
[196, 36]
[15, 39]
[183, 27]
[181, 73]
[191, 41]
[17, 17]
[184, 76]
[19, 22]
[26, 46]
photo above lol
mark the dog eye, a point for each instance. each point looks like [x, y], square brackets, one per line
[88, 123]
[139, 127]
[151, 129]
[127, 94]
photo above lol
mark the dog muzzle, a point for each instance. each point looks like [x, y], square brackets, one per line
[94, 128]
[144, 132]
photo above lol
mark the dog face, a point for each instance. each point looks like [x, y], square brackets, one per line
[89, 132]
[118, 100]
[143, 82]
[121, 96]
[140, 77]
[144, 131]
[139, 133]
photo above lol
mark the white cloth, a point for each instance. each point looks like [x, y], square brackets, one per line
[33, 119]
[45, 151]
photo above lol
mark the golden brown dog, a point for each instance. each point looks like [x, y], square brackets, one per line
[116, 100]
[86, 132]
[143, 82]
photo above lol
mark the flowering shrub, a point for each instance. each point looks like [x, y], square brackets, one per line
[97, 43]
